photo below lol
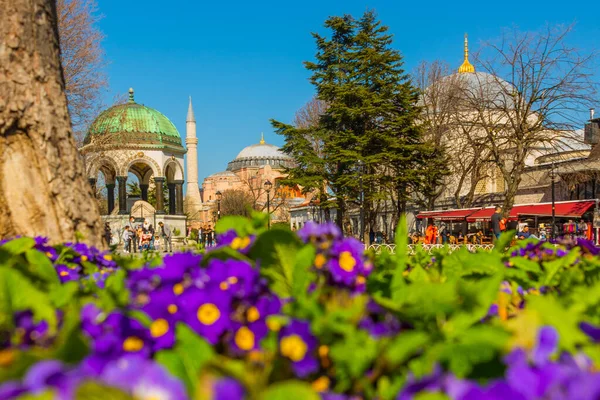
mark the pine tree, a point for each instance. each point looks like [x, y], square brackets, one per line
[372, 116]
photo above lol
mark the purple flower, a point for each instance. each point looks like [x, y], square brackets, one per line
[67, 274]
[546, 345]
[228, 389]
[235, 277]
[347, 261]
[52, 374]
[593, 331]
[321, 234]
[231, 239]
[247, 337]
[143, 379]
[207, 312]
[297, 343]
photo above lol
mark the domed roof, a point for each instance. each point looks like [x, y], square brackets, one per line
[261, 150]
[260, 154]
[133, 123]
[223, 174]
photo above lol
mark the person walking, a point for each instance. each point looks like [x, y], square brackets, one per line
[431, 234]
[165, 233]
[107, 234]
[126, 239]
[496, 217]
[209, 236]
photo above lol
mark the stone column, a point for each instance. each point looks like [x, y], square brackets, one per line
[172, 199]
[92, 182]
[159, 181]
[110, 196]
[122, 180]
[144, 189]
[178, 197]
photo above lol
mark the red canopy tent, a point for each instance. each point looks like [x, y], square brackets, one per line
[563, 209]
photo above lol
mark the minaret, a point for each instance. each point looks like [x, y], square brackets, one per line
[192, 195]
[466, 65]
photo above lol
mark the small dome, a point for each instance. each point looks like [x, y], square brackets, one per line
[133, 123]
[224, 174]
[258, 155]
[261, 150]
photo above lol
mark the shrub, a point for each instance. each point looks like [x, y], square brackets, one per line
[271, 314]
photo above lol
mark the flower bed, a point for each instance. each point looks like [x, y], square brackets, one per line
[275, 315]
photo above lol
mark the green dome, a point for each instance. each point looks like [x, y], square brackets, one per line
[133, 124]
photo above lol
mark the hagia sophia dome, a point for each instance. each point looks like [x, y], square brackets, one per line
[476, 85]
[258, 155]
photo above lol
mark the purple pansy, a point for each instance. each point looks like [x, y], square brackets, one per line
[207, 312]
[297, 343]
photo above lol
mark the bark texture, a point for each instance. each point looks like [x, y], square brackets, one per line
[43, 188]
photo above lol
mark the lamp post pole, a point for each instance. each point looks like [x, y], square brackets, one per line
[362, 200]
[268, 185]
[553, 177]
[219, 195]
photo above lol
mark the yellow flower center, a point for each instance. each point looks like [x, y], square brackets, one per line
[273, 325]
[232, 280]
[159, 328]
[178, 289]
[320, 260]
[244, 338]
[133, 343]
[347, 262]
[240, 243]
[293, 347]
[7, 357]
[253, 314]
[172, 309]
[224, 285]
[208, 314]
[84, 258]
[321, 384]
[360, 280]
[323, 351]
[63, 273]
[108, 257]
[48, 254]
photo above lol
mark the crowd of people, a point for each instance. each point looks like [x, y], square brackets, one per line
[205, 235]
[440, 234]
[141, 236]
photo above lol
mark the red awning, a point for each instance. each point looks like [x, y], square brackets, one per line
[485, 214]
[567, 209]
[564, 209]
[448, 215]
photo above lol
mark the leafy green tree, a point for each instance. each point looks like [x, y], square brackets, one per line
[371, 116]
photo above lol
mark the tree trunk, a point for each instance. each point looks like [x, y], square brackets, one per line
[43, 187]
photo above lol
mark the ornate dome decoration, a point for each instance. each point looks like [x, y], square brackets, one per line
[258, 155]
[133, 125]
[466, 66]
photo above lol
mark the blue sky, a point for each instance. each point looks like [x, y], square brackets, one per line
[241, 61]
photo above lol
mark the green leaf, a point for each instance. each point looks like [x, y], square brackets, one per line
[275, 251]
[431, 396]
[18, 246]
[194, 353]
[18, 294]
[241, 225]
[526, 265]
[397, 289]
[63, 294]
[45, 395]
[405, 345]
[289, 390]
[95, 391]
[566, 322]
[301, 276]
[41, 266]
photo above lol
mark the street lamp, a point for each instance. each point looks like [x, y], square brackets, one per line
[268, 186]
[553, 177]
[219, 197]
[361, 164]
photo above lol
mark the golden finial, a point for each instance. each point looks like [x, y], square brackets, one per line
[262, 138]
[466, 65]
